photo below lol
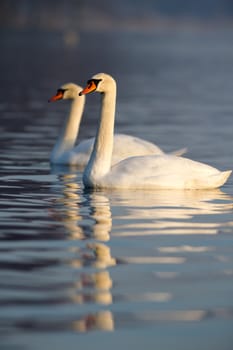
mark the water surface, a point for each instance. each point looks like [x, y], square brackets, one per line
[130, 269]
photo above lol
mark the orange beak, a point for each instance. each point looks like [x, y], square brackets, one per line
[91, 86]
[58, 96]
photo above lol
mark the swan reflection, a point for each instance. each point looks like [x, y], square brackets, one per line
[89, 215]
[171, 212]
[87, 220]
[92, 218]
[102, 320]
[93, 288]
[94, 255]
[83, 216]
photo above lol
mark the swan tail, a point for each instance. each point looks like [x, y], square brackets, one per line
[223, 177]
[217, 180]
[208, 182]
[179, 152]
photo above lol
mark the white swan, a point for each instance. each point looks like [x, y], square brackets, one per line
[65, 151]
[141, 172]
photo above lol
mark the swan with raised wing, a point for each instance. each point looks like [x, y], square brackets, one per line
[66, 152]
[139, 172]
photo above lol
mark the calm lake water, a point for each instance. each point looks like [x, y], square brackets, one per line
[124, 269]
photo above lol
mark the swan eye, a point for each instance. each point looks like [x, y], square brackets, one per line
[96, 81]
[61, 91]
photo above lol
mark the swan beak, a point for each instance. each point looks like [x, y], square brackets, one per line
[91, 86]
[58, 96]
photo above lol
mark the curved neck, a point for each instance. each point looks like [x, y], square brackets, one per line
[70, 130]
[101, 157]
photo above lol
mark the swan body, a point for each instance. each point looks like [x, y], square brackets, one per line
[65, 151]
[139, 172]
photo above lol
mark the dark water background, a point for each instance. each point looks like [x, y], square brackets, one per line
[123, 269]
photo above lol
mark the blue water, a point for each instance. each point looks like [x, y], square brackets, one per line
[109, 269]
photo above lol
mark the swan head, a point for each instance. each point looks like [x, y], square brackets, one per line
[68, 91]
[100, 82]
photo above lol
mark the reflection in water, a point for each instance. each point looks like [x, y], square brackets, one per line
[84, 217]
[176, 212]
[83, 272]
[87, 216]
[102, 320]
[102, 255]
[100, 282]
[156, 212]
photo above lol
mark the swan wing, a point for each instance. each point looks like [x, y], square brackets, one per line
[166, 171]
[124, 146]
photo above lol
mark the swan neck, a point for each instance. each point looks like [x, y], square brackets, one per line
[101, 157]
[70, 129]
